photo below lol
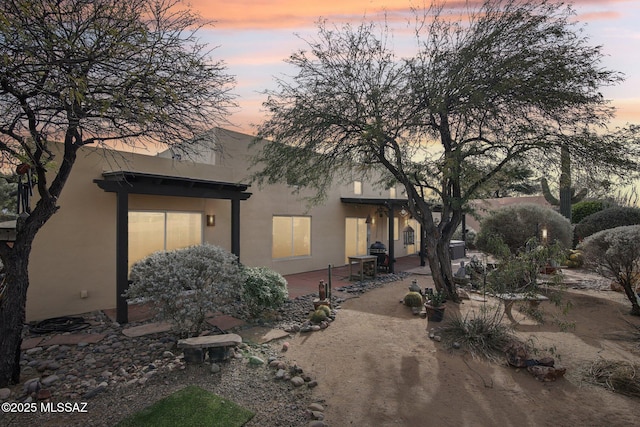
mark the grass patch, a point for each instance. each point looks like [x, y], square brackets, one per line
[191, 406]
[617, 376]
[481, 333]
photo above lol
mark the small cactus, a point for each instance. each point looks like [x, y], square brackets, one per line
[326, 309]
[318, 316]
[413, 299]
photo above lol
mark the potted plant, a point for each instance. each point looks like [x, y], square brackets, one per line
[435, 306]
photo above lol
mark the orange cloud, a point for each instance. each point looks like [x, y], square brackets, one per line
[247, 14]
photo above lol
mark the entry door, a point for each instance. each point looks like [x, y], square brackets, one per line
[355, 237]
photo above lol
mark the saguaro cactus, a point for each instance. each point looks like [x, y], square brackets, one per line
[568, 194]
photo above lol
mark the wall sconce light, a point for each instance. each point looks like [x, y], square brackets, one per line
[211, 220]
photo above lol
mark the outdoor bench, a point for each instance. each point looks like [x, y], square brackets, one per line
[217, 345]
[509, 298]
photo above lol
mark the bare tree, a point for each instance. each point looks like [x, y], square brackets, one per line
[503, 86]
[80, 72]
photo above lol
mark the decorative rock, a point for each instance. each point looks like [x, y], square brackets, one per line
[316, 407]
[315, 328]
[317, 415]
[437, 338]
[33, 350]
[280, 374]
[312, 384]
[167, 355]
[274, 363]
[456, 345]
[215, 368]
[4, 393]
[517, 355]
[50, 380]
[94, 392]
[255, 361]
[297, 381]
[547, 373]
[43, 394]
[547, 361]
[318, 423]
[285, 346]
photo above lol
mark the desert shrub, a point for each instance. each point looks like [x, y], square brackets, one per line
[618, 376]
[185, 285]
[413, 299]
[607, 219]
[616, 253]
[263, 289]
[583, 209]
[517, 224]
[519, 272]
[482, 333]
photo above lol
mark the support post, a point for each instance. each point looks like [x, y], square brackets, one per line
[235, 227]
[122, 256]
[392, 251]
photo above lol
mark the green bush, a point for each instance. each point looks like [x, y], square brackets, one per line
[515, 225]
[616, 253]
[606, 219]
[264, 289]
[185, 285]
[583, 209]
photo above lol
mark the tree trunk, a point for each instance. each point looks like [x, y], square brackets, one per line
[440, 265]
[628, 286]
[12, 314]
[13, 304]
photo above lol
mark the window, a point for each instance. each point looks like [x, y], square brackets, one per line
[357, 187]
[154, 231]
[396, 228]
[392, 193]
[291, 236]
[355, 237]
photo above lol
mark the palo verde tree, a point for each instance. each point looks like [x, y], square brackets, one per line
[503, 85]
[81, 72]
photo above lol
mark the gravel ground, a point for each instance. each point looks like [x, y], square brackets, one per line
[275, 402]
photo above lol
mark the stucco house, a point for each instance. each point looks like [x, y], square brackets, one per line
[118, 207]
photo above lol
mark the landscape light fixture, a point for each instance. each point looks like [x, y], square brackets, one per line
[211, 220]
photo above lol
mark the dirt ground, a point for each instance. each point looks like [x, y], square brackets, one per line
[376, 366]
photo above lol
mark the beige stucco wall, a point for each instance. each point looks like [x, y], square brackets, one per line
[75, 252]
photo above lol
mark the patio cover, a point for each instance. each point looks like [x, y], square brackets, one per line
[124, 183]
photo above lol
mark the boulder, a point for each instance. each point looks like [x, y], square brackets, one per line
[547, 373]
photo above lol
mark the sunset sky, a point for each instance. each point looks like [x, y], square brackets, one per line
[255, 36]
